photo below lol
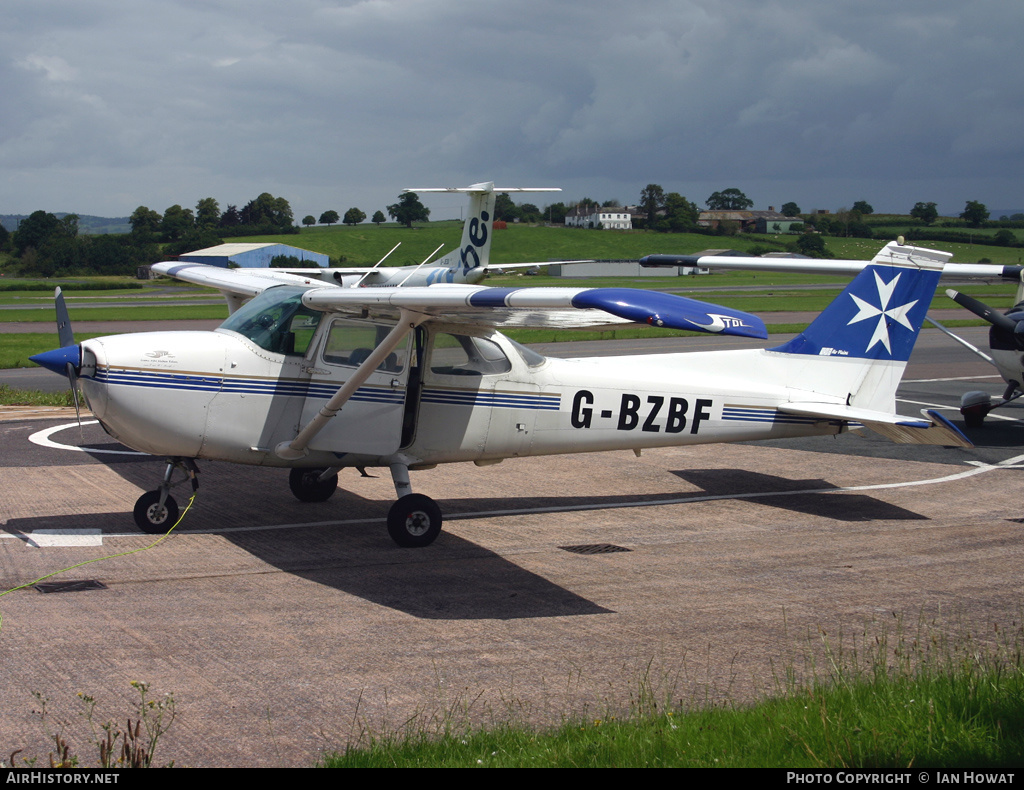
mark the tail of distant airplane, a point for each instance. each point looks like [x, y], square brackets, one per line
[848, 363]
[467, 263]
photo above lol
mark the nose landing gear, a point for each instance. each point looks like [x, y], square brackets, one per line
[156, 511]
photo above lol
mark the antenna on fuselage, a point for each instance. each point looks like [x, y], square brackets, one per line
[374, 267]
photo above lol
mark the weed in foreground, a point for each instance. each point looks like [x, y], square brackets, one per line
[133, 746]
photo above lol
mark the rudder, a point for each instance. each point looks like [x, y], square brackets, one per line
[877, 317]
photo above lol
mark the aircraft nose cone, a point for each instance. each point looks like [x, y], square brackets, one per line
[58, 359]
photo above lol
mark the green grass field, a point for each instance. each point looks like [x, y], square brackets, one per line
[774, 291]
[364, 244]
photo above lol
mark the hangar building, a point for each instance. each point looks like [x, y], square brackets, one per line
[252, 256]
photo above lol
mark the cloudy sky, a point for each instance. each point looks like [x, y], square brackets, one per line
[106, 105]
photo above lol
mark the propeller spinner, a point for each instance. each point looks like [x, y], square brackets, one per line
[66, 360]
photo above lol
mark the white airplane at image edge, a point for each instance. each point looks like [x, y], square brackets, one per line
[1006, 335]
[318, 377]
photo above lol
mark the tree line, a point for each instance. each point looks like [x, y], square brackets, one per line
[48, 246]
[44, 245]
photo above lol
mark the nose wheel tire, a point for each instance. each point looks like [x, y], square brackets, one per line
[307, 486]
[152, 517]
[414, 521]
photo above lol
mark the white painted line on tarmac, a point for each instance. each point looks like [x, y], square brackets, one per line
[42, 438]
[977, 468]
[989, 416]
[54, 538]
[956, 378]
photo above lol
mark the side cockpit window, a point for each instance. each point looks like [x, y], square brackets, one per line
[349, 343]
[277, 321]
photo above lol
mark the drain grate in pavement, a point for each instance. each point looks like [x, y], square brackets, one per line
[78, 586]
[594, 548]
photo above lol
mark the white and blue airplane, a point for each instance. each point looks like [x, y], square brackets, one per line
[468, 264]
[1006, 335]
[315, 376]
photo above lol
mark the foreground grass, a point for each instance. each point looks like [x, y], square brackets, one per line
[914, 703]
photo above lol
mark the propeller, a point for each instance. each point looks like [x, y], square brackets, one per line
[984, 312]
[67, 359]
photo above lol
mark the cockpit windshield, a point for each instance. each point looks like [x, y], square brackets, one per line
[276, 321]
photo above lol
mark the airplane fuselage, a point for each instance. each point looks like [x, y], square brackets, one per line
[320, 378]
[449, 394]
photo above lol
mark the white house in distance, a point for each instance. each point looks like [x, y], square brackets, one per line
[606, 218]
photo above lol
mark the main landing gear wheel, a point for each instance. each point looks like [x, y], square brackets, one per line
[414, 521]
[152, 517]
[308, 487]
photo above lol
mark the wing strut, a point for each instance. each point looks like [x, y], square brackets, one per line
[296, 448]
[375, 266]
[410, 274]
[960, 340]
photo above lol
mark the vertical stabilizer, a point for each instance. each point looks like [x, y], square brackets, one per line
[467, 264]
[868, 332]
[878, 316]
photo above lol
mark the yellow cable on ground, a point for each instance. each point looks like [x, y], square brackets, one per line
[100, 559]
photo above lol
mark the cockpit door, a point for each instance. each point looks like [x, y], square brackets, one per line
[370, 423]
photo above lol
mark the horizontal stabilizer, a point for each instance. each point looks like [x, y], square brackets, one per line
[482, 188]
[933, 428]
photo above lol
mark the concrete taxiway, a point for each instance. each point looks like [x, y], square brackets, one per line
[559, 587]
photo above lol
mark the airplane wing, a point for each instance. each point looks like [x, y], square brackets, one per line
[891, 253]
[474, 304]
[540, 307]
[343, 271]
[242, 282]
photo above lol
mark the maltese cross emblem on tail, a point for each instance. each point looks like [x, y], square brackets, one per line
[867, 311]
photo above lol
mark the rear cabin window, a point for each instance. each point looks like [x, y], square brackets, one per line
[466, 355]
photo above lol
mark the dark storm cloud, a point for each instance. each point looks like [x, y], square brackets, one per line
[109, 105]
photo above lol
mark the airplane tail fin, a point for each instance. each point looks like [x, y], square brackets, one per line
[849, 361]
[877, 317]
[467, 263]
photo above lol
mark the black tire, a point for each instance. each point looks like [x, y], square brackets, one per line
[974, 418]
[153, 519]
[414, 521]
[307, 487]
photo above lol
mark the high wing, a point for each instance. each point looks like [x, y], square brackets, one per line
[542, 307]
[244, 282]
[474, 304]
[891, 254]
[337, 273]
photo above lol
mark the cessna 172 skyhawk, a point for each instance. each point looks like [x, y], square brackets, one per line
[315, 377]
[1006, 336]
